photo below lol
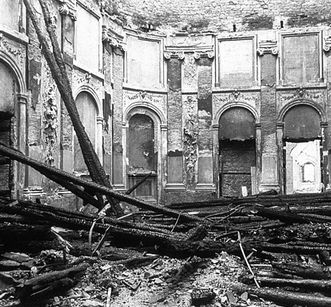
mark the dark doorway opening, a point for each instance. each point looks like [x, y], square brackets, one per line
[6, 166]
[237, 167]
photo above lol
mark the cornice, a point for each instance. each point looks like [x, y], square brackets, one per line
[267, 47]
[327, 44]
[112, 38]
[68, 8]
[174, 55]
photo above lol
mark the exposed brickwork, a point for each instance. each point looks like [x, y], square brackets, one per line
[204, 103]
[237, 158]
[222, 15]
[175, 110]
[118, 117]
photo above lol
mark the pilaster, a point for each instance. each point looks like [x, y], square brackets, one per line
[268, 52]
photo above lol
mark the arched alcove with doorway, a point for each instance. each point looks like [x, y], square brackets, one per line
[302, 149]
[237, 152]
[13, 99]
[144, 151]
[8, 92]
[88, 113]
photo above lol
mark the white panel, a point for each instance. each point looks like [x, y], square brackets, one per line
[236, 62]
[9, 13]
[143, 61]
[87, 39]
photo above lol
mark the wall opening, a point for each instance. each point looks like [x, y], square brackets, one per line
[142, 156]
[6, 166]
[88, 115]
[8, 92]
[302, 151]
[303, 167]
[237, 152]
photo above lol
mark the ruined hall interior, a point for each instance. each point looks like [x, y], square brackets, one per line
[211, 99]
[165, 153]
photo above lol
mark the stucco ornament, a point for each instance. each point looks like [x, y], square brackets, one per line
[191, 132]
[50, 123]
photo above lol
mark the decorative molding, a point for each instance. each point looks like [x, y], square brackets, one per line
[191, 131]
[302, 93]
[84, 81]
[111, 38]
[236, 94]
[267, 47]
[91, 6]
[180, 55]
[301, 101]
[204, 54]
[143, 96]
[83, 78]
[190, 74]
[14, 52]
[50, 111]
[68, 8]
[327, 44]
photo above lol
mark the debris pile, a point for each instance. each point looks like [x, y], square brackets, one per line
[283, 241]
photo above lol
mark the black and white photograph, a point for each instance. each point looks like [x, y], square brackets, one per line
[165, 153]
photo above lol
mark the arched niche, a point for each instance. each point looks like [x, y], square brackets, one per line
[302, 140]
[237, 152]
[237, 124]
[141, 150]
[302, 122]
[12, 124]
[88, 113]
[143, 125]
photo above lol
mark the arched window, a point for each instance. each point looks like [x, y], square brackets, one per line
[88, 115]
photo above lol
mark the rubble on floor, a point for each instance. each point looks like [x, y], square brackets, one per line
[247, 252]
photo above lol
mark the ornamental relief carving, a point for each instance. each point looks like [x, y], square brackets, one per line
[252, 99]
[112, 39]
[267, 47]
[327, 44]
[318, 96]
[50, 114]
[157, 100]
[68, 7]
[190, 135]
[190, 41]
[15, 51]
[80, 78]
[174, 54]
[190, 75]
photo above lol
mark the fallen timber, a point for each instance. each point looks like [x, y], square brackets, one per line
[285, 298]
[121, 233]
[297, 230]
[52, 172]
[267, 200]
[48, 285]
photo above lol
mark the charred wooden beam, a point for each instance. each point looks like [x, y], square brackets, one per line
[285, 298]
[97, 188]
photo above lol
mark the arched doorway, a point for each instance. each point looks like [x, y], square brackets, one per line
[142, 156]
[8, 94]
[88, 113]
[237, 152]
[302, 145]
